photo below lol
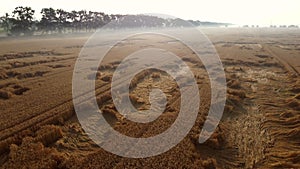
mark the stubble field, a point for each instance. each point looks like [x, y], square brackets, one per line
[259, 129]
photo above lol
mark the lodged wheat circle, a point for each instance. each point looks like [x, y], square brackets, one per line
[103, 134]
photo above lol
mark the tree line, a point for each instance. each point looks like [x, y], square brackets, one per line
[21, 21]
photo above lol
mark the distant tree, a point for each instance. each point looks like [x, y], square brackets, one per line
[74, 20]
[6, 23]
[180, 23]
[48, 21]
[89, 19]
[293, 26]
[22, 21]
[98, 20]
[82, 20]
[61, 22]
[106, 18]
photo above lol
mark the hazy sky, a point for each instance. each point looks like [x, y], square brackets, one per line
[262, 12]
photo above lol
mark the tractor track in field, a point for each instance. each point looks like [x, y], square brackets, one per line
[285, 63]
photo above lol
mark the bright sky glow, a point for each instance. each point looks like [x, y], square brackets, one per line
[258, 12]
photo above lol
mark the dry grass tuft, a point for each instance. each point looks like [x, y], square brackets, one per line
[48, 134]
[33, 155]
[286, 114]
[294, 133]
[4, 144]
[110, 116]
[234, 84]
[3, 74]
[138, 78]
[135, 99]
[240, 93]
[216, 140]
[13, 74]
[190, 59]
[297, 96]
[295, 89]
[104, 98]
[20, 90]
[105, 67]
[155, 75]
[292, 103]
[5, 94]
[106, 78]
[228, 108]
[209, 163]
[116, 63]
[57, 66]
[29, 74]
